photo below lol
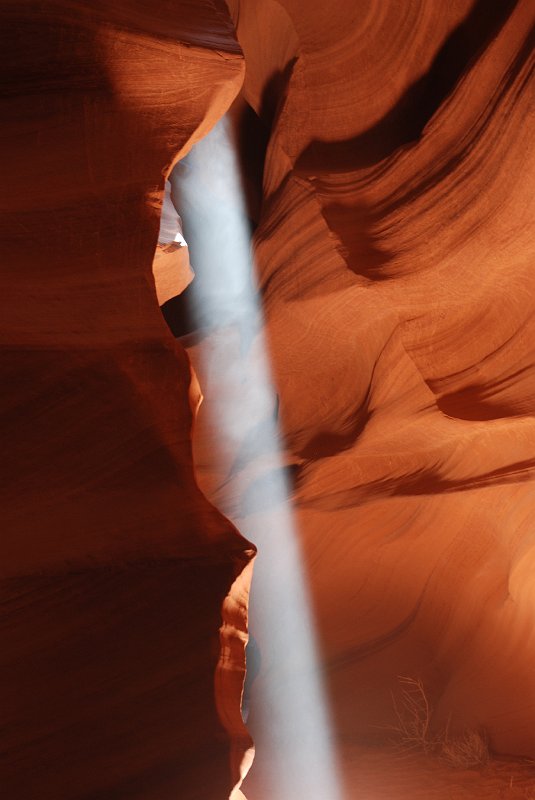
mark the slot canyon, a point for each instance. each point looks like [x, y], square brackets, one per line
[268, 395]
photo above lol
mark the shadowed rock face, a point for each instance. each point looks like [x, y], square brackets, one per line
[394, 248]
[115, 678]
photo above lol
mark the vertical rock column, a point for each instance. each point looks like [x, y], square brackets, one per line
[115, 568]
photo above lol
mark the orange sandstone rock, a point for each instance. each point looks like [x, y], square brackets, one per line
[116, 570]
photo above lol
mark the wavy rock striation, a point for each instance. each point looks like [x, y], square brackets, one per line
[394, 248]
[394, 253]
[115, 568]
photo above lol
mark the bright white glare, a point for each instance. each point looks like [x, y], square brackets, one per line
[292, 727]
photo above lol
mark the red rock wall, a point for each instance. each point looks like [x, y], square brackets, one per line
[115, 567]
[394, 249]
[394, 253]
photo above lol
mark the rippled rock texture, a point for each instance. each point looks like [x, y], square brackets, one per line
[394, 250]
[115, 678]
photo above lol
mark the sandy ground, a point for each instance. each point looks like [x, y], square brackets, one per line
[394, 774]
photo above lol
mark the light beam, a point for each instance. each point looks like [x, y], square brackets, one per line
[289, 714]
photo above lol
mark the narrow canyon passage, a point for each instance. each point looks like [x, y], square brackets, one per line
[349, 510]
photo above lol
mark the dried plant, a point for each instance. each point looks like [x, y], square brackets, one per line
[469, 749]
[413, 730]
[413, 714]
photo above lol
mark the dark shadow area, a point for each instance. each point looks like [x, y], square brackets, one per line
[405, 122]
[453, 162]
[179, 313]
[470, 405]
[251, 138]
[325, 443]
[480, 402]
[198, 24]
[422, 482]
[39, 58]
[275, 93]
[353, 225]
[114, 675]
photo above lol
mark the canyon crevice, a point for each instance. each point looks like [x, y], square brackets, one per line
[388, 173]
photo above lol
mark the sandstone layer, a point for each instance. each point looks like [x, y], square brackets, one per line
[389, 176]
[394, 254]
[116, 679]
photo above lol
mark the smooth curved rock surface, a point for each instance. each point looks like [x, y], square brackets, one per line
[394, 249]
[395, 258]
[118, 574]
